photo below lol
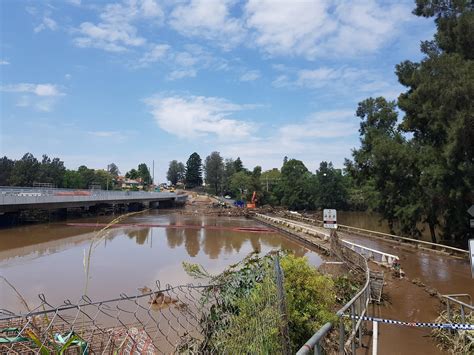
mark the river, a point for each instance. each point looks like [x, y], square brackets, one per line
[49, 258]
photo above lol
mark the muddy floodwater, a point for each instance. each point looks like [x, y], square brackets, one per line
[51, 258]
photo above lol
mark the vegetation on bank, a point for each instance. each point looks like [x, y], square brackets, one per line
[461, 341]
[29, 171]
[245, 314]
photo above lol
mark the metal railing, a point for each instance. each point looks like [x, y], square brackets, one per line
[22, 195]
[387, 236]
[453, 300]
[376, 255]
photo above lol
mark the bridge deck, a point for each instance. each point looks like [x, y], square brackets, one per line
[12, 199]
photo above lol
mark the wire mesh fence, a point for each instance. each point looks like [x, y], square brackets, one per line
[162, 319]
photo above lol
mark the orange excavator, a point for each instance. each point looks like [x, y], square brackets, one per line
[252, 204]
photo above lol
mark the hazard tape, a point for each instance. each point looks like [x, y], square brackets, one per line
[418, 324]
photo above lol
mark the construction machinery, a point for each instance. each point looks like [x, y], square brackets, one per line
[252, 203]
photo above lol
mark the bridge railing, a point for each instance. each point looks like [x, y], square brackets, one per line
[376, 255]
[20, 196]
[454, 300]
[387, 236]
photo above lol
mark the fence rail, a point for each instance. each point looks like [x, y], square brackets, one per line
[377, 256]
[35, 196]
[387, 236]
[156, 321]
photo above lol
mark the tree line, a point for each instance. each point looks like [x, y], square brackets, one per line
[29, 171]
[293, 186]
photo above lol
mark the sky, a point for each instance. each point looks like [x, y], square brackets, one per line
[132, 81]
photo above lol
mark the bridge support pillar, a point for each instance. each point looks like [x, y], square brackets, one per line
[154, 204]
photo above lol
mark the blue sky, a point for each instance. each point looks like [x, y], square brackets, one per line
[95, 82]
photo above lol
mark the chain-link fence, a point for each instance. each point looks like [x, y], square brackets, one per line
[162, 319]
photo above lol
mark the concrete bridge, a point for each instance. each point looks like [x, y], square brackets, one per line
[18, 199]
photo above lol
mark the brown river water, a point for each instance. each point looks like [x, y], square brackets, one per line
[49, 258]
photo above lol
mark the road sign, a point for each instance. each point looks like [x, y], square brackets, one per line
[471, 256]
[330, 219]
[471, 210]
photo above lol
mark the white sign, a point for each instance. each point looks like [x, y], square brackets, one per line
[471, 255]
[471, 210]
[330, 219]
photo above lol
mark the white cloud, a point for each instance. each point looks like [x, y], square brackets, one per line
[330, 80]
[41, 97]
[197, 116]
[210, 20]
[250, 75]
[47, 23]
[324, 135]
[74, 2]
[155, 54]
[180, 74]
[36, 89]
[322, 124]
[116, 32]
[323, 28]
[4, 62]
[108, 134]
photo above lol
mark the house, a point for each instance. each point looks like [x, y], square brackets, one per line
[130, 184]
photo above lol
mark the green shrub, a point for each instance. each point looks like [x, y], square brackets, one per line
[310, 299]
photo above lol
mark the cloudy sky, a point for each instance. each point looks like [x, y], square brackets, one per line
[94, 82]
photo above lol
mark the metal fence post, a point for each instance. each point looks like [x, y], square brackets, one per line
[285, 336]
[341, 336]
[353, 327]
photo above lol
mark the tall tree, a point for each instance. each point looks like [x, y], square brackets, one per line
[144, 173]
[383, 165]
[295, 185]
[241, 184]
[51, 171]
[214, 169]
[6, 167]
[438, 106]
[238, 165]
[176, 171]
[132, 174]
[113, 170]
[229, 170]
[330, 189]
[25, 171]
[194, 171]
[87, 177]
[72, 179]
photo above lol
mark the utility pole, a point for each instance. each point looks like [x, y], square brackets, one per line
[153, 182]
[108, 172]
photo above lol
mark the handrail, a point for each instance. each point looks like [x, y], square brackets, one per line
[391, 236]
[389, 258]
[462, 305]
